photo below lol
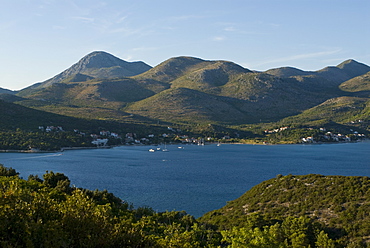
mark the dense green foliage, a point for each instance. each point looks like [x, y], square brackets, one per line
[21, 140]
[288, 211]
[50, 213]
[337, 205]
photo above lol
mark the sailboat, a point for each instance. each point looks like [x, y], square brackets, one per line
[165, 148]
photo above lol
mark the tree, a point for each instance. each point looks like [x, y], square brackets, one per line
[59, 181]
[8, 172]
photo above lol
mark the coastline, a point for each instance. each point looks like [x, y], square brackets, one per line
[53, 151]
[209, 143]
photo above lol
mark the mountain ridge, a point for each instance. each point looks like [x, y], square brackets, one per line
[198, 90]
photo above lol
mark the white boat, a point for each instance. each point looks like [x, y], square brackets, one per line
[151, 150]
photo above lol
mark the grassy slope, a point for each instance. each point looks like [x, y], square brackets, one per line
[341, 110]
[186, 105]
[360, 83]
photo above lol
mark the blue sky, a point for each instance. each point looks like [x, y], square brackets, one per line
[41, 38]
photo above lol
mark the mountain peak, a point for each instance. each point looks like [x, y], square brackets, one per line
[100, 64]
[98, 59]
[353, 68]
[351, 63]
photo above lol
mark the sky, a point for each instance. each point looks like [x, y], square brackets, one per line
[41, 38]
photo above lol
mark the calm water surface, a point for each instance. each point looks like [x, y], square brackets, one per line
[196, 179]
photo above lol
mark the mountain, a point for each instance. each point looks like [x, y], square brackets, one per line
[193, 90]
[337, 202]
[251, 96]
[97, 65]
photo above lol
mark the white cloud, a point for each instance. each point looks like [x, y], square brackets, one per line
[84, 19]
[301, 56]
[219, 38]
[230, 29]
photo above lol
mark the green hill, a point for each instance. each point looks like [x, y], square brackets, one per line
[172, 69]
[210, 77]
[341, 110]
[339, 204]
[357, 84]
[188, 106]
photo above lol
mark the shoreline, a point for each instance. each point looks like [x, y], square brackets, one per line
[226, 143]
[53, 151]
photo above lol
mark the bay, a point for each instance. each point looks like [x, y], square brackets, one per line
[196, 179]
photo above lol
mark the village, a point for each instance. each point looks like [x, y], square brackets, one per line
[323, 135]
[105, 137]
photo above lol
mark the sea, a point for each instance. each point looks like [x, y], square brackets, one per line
[191, 178]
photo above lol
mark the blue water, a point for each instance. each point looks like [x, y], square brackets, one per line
[196, 179]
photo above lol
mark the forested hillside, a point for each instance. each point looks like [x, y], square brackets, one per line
[338, 204]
